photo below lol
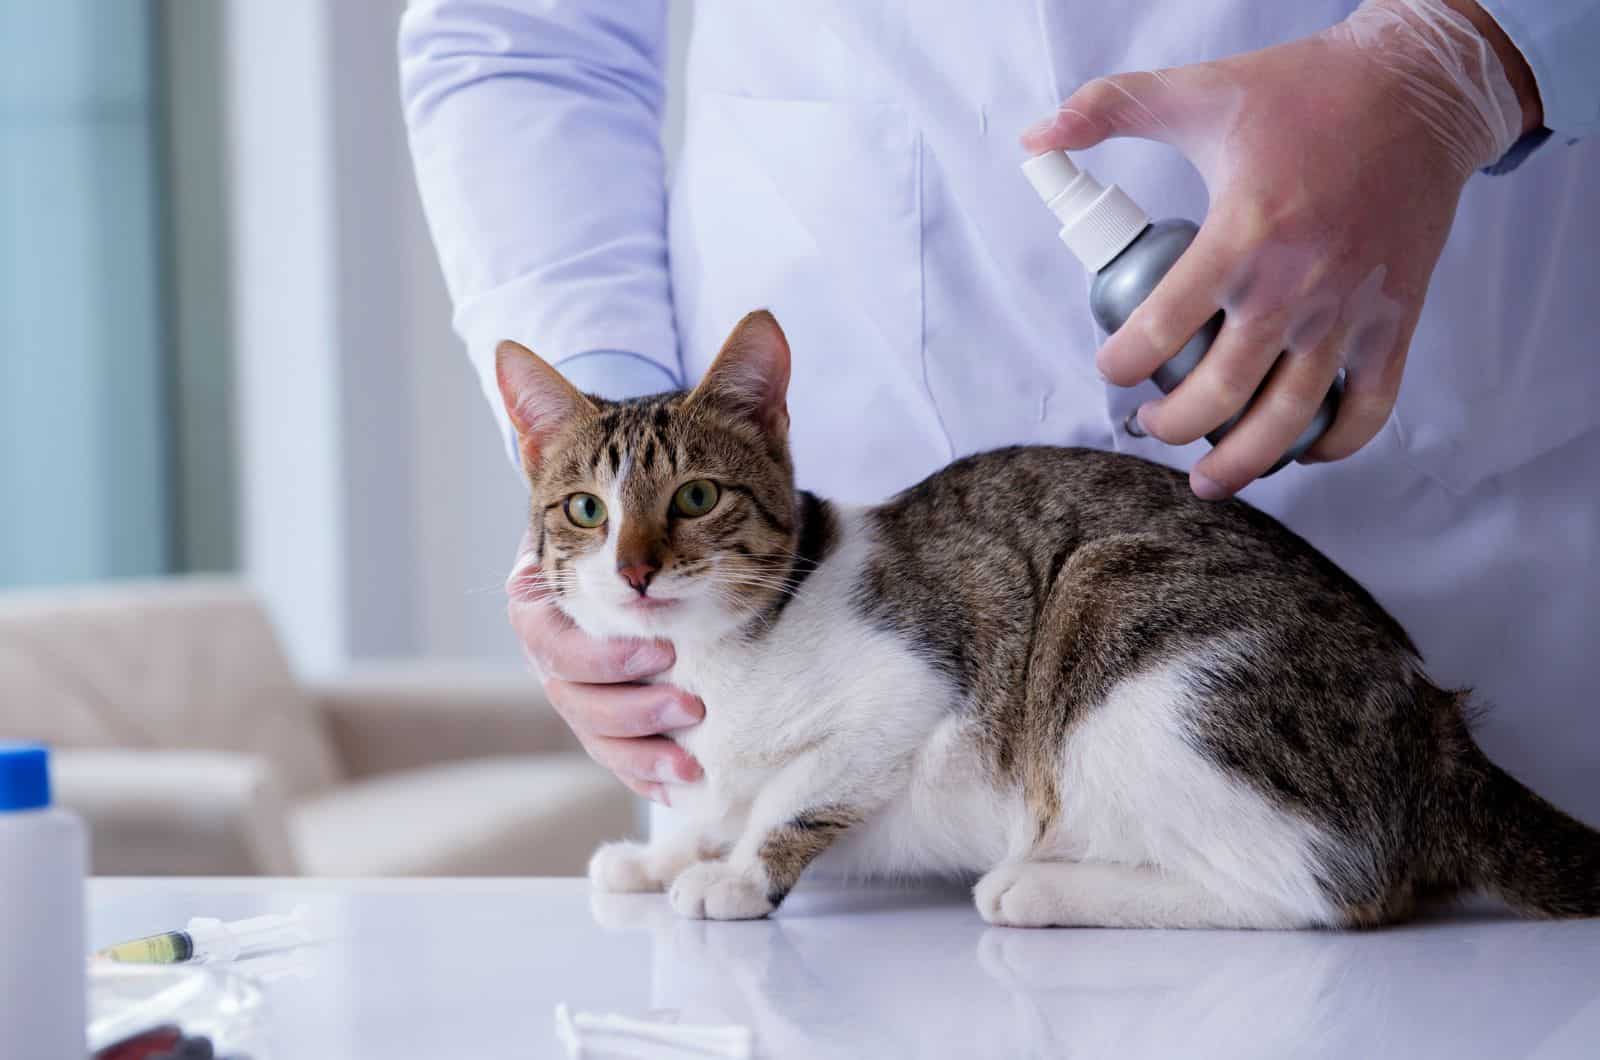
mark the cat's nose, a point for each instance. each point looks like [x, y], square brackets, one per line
[638, 574]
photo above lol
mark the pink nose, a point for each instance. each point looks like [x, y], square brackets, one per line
[638, 575]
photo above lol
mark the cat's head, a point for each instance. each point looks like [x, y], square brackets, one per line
[667, 515]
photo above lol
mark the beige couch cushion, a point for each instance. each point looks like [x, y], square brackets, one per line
[178, 664]
[535, 815]
[177, 813]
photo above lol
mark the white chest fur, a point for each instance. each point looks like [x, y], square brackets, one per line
[825, 689]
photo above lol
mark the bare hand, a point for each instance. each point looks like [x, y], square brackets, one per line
[593, 685]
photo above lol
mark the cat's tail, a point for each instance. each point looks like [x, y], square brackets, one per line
[1518, 847]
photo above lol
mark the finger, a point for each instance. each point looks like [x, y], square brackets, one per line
[1222, 383]
[524, 577]
[1374, 364]
[1180, 305]
[624, 710]
[559, 649]
[1277, 418]
[1133, 104]
[654, 759]
[572, 655]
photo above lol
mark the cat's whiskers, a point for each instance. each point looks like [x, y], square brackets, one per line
[741, 607]
[757, 579]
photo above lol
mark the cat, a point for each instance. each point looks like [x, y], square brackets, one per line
[1054, 670]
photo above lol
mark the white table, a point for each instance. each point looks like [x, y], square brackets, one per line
[461, 969]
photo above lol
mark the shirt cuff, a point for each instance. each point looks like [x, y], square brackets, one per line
[616, 375]
[1558, 39]
[1518, 153]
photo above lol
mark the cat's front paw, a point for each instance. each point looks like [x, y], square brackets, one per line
[715, 890]
[623, 868]
[1018, 895]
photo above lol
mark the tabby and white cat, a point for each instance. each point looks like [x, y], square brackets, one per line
[1057, 668]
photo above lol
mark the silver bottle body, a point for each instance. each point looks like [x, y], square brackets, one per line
[1128, 279]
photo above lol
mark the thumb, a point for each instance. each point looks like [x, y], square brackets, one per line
[524, 577]
[1137, 104]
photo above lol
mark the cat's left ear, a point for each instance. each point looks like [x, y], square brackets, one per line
[751, 374]
[538, 399]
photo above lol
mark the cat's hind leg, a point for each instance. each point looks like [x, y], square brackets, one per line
[1101, 894]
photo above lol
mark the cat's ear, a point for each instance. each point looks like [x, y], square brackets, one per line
[538, 399]
[751, 374]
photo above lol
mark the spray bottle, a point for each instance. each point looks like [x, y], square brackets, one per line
[1128, 256]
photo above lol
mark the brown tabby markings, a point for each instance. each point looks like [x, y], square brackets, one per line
[665, 441]
[1037, 580]
[787, 850]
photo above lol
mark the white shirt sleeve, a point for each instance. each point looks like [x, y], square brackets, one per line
[1560, 39]
[535, 129]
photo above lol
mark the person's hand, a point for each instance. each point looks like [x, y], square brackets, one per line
[1334, 164]
[591, 683]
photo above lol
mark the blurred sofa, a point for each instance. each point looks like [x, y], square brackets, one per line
[188, 746]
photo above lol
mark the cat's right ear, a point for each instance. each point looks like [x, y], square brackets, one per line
[538, 399]
[751, 374]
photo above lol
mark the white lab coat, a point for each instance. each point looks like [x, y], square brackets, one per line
[854, 167]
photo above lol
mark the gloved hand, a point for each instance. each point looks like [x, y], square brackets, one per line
[1334, 164]
[588, 680]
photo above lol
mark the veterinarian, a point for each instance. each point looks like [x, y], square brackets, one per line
[1397, 190]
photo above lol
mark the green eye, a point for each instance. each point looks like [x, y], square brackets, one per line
[696, 498]
[586, 510]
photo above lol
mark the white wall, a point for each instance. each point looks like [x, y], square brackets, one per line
[379, 512]
[285, 325]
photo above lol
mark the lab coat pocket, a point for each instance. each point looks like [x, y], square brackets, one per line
[813, 208]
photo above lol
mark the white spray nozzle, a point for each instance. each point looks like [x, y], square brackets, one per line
[1097, 222]
[217, 940]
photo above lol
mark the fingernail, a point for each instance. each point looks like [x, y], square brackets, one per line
[523, 581]
[669, 770]
[1039, 128]
[1207, 489]
[1105, 358]
[678, 714]
[650, 657]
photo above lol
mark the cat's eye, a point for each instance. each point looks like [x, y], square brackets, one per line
[696, 498]
[586, 510]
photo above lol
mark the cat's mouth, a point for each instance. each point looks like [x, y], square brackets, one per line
[650, 603]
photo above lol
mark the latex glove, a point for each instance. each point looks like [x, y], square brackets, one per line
[592, 684]
[1334, 164]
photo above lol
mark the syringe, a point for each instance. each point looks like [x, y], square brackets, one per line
[210, 939]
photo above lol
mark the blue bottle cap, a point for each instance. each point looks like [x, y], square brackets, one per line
[24, 777]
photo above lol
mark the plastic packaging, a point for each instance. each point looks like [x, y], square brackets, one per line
[129, 1000]
[44, 854]
[1128, 255]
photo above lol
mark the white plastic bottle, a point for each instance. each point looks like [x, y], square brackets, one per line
[43, 857]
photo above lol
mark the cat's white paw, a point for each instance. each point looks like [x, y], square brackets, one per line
[714, 890]
[623, 868]
[1020, 894]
